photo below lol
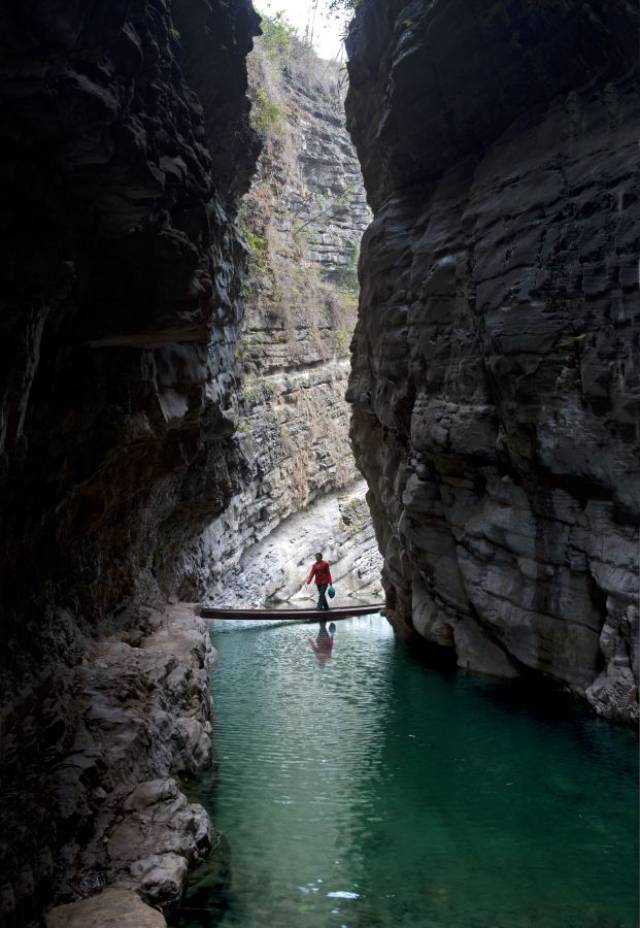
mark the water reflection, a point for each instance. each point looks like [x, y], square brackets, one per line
[322, 647]
[381, 793]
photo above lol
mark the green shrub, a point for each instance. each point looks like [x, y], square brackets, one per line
[276, 36]
[342, 342]
[267, 116]
[257, 245]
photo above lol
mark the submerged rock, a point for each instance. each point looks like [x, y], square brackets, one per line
[495, 378]
[206, 894]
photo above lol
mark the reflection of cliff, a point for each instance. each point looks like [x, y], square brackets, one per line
[302, 220]
[495, 380]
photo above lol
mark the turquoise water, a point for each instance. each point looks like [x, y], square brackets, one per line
[371, 791]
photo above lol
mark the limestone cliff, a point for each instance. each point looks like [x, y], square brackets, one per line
[495, 381]
[125, 147]
[303, 219]
[274, 569]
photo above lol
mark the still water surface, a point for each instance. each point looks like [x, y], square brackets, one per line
[371, 791]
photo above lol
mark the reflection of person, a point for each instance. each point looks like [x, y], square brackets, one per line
[320, 571]
[322, 647]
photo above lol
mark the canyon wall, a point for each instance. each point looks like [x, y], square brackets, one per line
[495, 383]
[273, 570]
[126, 145]
[303, 219]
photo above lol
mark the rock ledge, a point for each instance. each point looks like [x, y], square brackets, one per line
[112, 908]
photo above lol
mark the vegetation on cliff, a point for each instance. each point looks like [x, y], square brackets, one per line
[302, 221]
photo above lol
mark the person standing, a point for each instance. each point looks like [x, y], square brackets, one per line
[322, 575]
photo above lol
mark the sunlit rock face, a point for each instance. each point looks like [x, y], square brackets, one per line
[303, 220]
[125, 147]
[495, 380]
[274, 570]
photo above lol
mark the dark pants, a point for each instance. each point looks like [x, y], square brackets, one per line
[322, 598]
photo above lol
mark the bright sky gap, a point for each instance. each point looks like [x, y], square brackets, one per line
[310, 16]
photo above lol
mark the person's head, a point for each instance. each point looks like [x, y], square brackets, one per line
[319, 556]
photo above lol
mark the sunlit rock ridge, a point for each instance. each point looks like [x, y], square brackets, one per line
[303, 219]
[495, 383]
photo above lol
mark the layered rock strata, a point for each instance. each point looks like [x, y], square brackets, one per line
[273, 570]
[495, 380]
[303, 219]
[125, 146]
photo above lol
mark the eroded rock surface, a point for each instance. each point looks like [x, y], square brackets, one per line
[495, 383]
[303, 220]
[112, 908]
[125, 146]
[274, 569]
[145, 719]
[141, 717]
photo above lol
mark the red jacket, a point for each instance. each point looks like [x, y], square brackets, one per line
[320, 570]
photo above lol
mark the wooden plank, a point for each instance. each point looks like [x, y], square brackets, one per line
[344, 612]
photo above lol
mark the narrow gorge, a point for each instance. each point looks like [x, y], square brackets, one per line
[179, 296]
[302, 219]
[256, 303]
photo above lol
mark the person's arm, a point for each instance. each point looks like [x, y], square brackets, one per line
[311, 574]
[329, 572]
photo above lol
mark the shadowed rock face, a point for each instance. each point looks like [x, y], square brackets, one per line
[125, 146]
[495, 382]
